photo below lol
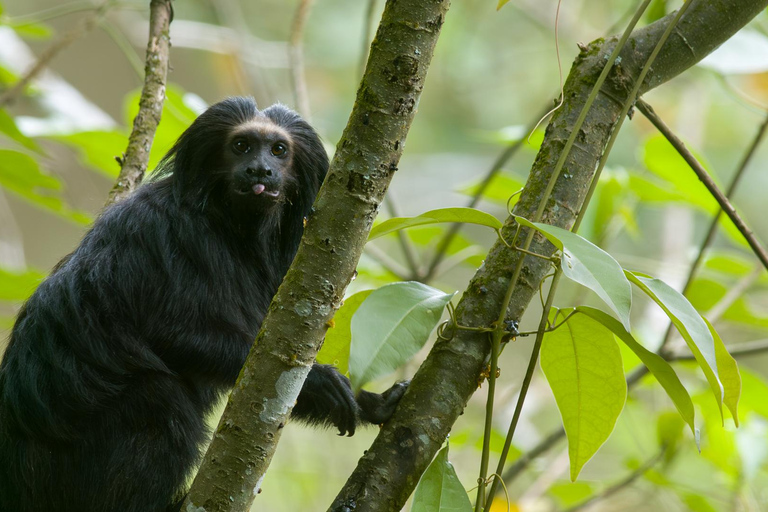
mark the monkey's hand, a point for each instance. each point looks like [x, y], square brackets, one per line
[327, 399]
[378, 408]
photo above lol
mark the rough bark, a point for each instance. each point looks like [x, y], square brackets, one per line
[133, 165]
[366, 159]
[387, 474]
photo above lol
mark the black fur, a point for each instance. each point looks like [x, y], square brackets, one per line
[121, 352]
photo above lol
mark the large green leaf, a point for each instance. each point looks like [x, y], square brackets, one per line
[689, 323]
[338, 338]
[660, 369]
[21, 174]
[465, 215]
[98, 149]
[390, 326]
[583, 365]
[728, 371]
[439, 489]
[17, 286]
[588, 265]
[9, 128]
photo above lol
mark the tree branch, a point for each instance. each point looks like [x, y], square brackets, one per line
[366, 159]
[387, 474]
[133, 164]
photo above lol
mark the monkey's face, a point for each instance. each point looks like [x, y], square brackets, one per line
[258, 155]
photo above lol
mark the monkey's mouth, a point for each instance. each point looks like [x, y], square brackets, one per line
[261, 189]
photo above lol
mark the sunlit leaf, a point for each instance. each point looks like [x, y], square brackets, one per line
[728, 371]
[17, 286]
[754, 392]
[568, 494]
[465, 215]
[98, 149]
[439, 489]
[656, 11]
[390, 326]
[501, 4]
[176, 117]
[338, 338]
[499, 190]
[583, 366]
[590, 266]
[8, 127]
[33, 30]
[660, 369]
[689, 324]
[20, 174]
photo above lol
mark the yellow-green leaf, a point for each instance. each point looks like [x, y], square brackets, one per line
[728, 371]
[583, 366]
[335, 349]
[465, 215]
[439, 489]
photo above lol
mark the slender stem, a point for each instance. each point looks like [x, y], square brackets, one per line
[405, 243]
[370, 10]
[386, 261]
[296, 58]
[710, 236]
[125, 46]
[708, 182]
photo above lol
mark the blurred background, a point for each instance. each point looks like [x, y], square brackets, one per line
[494, 73]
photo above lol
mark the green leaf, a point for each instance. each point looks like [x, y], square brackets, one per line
[662, 159]
[439, 489]
[176, 118]
[755, 389]
[499, 190]
[660, 369]
[33, 30]
[465, 215]
[656, 11]
[689, 323]
[588, 265]
[583, 366]
[8, 127]
[20, 174]
[390, 326]
[17, 286]
[698, 503]
[97, 149]
[335, 348]
[728, 371]
[501, 4]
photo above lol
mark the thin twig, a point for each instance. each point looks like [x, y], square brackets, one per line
[125, 46]
[618, 486]
[409, 251]
[733, 294]
[370, 10]
[296, 58]
[386, 261]
[62, 42]
[701, 173]
[710, 236]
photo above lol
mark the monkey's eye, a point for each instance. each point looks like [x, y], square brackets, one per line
[241, 146]
[279, 149]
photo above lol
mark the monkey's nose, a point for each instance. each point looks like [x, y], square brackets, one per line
[261, 172]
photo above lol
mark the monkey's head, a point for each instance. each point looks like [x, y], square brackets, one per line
[235, 157]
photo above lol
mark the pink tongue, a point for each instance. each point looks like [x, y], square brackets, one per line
[258, 188]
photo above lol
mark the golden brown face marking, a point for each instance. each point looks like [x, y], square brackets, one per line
[265, 127]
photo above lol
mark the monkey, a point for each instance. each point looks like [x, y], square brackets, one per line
[117, 358]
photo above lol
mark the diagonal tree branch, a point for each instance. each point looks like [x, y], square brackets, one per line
[387, 474]
[366, 159]
[133, 164]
